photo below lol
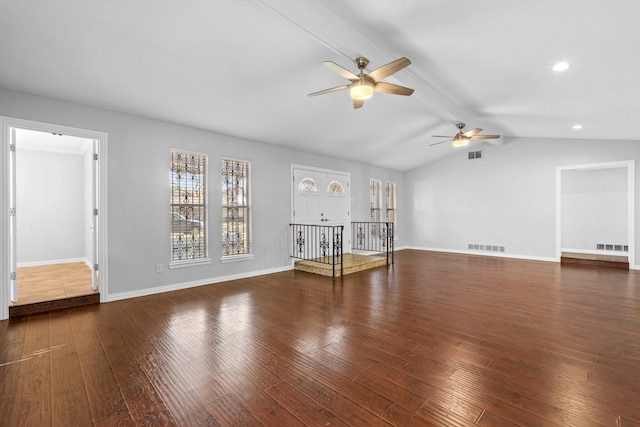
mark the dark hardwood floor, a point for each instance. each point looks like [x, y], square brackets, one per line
[435, 339]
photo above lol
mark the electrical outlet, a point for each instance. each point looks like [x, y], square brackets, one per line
[158, 268]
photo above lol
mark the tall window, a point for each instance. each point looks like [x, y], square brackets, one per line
[375, 200]
[236, 208]
[188, 207]
[391, 201]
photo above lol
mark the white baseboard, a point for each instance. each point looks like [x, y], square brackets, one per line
[487, 254]
[53, 261]
[193, 284]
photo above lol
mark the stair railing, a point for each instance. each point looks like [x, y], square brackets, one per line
[373, 237]
[318, 243]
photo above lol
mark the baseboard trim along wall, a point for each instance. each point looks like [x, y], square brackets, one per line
[487, 254]
[52, 261]
[186, 285]
[211, 281]
[500, 255]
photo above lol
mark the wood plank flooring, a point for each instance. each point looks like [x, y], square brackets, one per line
[598, 260]
[433, 340]
[52, 282]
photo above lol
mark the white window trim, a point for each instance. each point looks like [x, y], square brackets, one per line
[236, 258]
[189, 263]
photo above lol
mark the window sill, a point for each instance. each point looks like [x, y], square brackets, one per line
[184, 264]
[235, 258]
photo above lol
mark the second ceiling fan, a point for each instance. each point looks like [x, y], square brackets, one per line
[462, 138]
[363, 85]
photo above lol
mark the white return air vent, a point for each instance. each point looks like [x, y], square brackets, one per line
[486, 248]
[612, 247]
[475, 155]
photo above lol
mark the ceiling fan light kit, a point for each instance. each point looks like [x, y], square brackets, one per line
[362, 89]
[460, 141]
[364, 85]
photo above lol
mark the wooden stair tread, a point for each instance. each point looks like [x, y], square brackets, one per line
[352, 264]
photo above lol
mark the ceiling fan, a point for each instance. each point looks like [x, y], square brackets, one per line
[363, 85]
[462, 138]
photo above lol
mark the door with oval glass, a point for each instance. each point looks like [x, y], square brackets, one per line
[321, 197]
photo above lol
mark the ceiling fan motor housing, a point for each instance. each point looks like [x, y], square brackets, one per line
[361, 63]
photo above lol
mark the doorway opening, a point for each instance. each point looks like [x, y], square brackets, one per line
[56, 242]
[595, 214]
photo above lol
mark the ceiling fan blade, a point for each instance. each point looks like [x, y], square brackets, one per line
[485, 137]
[392, 89]
[358, 103]
[472, 132]
[333, 89]
[441, 142]
[340, 70]
[388, 69]
[443, 136]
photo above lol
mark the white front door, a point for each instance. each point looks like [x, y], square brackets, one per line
[321, 197]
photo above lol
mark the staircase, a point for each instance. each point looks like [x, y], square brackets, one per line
[319, 248]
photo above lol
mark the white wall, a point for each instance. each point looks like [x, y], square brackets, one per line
[138, 190]
[594, 208]
[507, 197]
[50, 202]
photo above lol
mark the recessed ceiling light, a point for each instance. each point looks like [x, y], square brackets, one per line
[577, 127]
[561, 66]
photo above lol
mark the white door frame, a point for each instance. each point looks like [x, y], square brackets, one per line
[630, 165]
[6, 123]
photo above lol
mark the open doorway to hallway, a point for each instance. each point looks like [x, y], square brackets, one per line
[54, 196]
[93, 186]
[595, 214]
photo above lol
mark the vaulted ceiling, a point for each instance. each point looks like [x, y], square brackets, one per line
[245, 67]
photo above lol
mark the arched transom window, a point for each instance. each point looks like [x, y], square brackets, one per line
[335, 187]
[308, 184]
